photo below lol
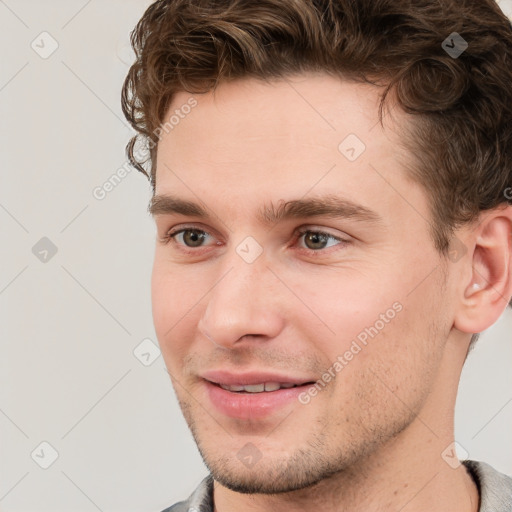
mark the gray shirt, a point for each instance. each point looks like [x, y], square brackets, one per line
[495, 491]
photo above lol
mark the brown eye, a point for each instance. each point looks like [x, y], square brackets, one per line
[317, 240]
[190, 237]
[314, 240]
[193, 238]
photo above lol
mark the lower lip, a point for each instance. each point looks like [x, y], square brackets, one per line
[249, 406]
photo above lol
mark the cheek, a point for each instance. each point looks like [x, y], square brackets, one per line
[161, 300]
[399, 363]
[173, 299]
[353, 307]
[385, 385]
[378, 329]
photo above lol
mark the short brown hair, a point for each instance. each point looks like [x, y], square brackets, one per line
[461, 137]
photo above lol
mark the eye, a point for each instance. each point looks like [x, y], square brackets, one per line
[188, 237]
[315, 241]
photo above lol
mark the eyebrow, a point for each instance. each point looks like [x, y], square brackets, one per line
[328, 206]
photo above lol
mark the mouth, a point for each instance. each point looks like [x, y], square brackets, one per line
[254, 397]
[264, 387]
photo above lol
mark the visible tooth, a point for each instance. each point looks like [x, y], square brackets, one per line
[254, 388]
[258, 388]
[234, 387]
[272, 386]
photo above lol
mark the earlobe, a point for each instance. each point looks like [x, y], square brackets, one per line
[488, 291]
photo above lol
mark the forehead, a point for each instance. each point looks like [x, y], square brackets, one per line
[304, 134]
[294, 115]
[296, 119]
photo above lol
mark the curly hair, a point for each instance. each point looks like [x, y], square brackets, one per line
[461, 105]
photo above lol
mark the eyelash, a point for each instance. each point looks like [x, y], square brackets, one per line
[171, 235]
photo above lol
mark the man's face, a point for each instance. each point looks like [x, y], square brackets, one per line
[240, 301]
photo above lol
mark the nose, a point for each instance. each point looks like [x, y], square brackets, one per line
[244, 302]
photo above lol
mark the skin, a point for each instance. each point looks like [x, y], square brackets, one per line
[373, 438]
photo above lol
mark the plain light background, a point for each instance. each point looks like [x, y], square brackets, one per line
[72, 324]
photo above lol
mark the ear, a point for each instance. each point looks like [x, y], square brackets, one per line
[487, 292]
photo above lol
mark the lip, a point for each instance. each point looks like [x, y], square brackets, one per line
[253, 377]
[252, 406]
